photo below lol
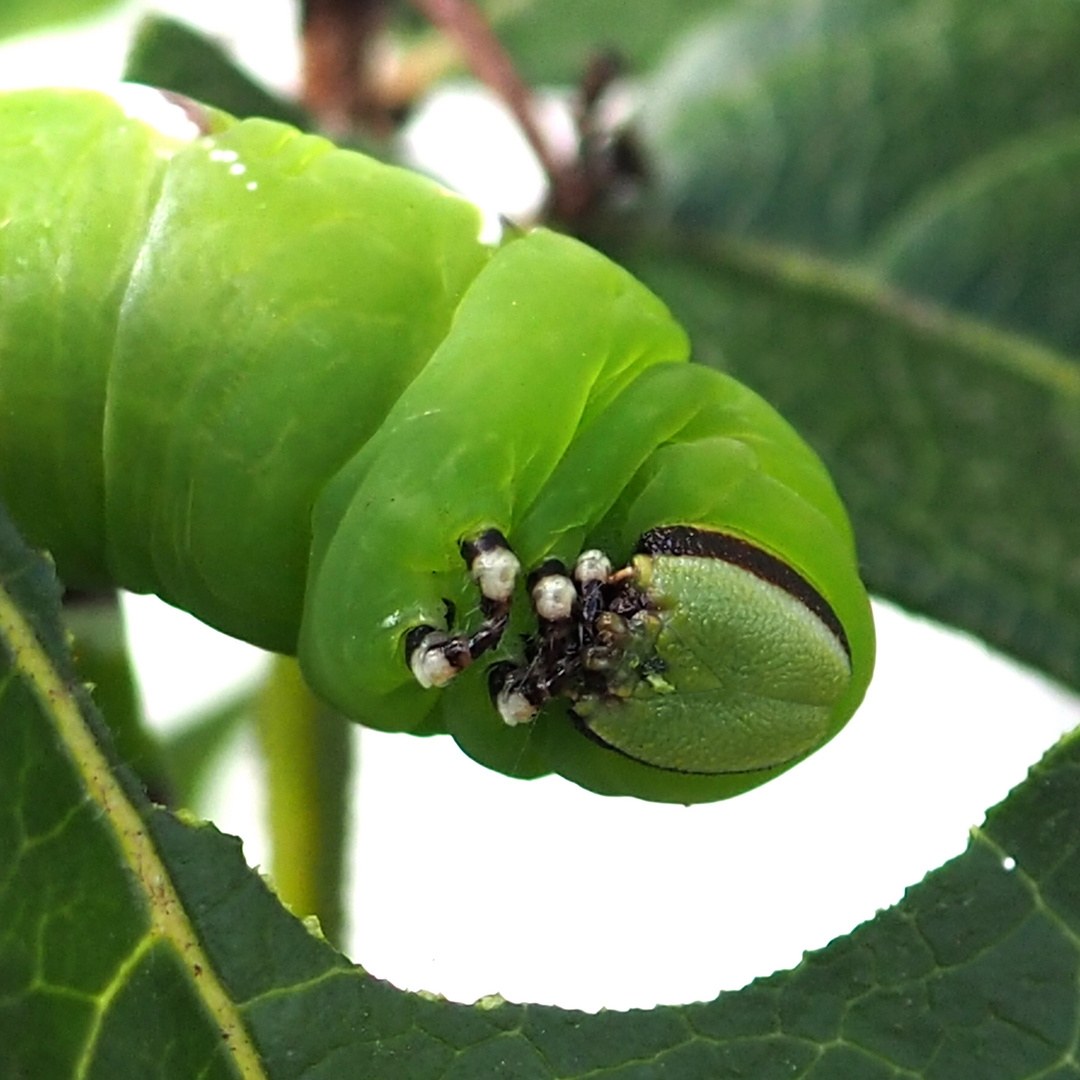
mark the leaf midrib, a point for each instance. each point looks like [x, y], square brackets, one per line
[168, 919]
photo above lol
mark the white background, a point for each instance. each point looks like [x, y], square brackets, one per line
[466, 883]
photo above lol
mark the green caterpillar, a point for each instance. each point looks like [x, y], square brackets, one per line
[476, 488]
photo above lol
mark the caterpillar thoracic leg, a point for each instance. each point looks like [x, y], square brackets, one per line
[434, 656]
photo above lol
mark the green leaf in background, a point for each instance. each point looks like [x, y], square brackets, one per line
[1000, 241]
[837, 188]
[552, 41]
[136, 944]
[173, 56]
[822, 140]
[22, 16]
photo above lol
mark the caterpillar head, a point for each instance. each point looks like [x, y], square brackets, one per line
[706, 663]
[558, 415]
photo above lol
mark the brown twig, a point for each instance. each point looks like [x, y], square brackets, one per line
[462, 21]
[338, 87]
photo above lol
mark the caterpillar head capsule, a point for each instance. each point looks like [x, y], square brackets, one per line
[704, 655]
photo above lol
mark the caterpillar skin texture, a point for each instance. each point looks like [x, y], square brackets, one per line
[279, 384]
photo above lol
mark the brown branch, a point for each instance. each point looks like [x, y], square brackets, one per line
[462, 21]
[338, 89]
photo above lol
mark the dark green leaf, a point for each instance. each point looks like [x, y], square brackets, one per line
[173, 56]
[101, 972]
[820, 139]
[552, 41]
[1000, 240]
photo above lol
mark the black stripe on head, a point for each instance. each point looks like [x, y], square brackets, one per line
[706, 544]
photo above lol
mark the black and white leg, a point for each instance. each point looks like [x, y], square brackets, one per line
[519, 690]
[436, 656]
[569, 609]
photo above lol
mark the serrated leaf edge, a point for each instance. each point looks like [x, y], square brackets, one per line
[168, 920]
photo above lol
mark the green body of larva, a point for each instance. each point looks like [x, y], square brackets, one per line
[279, 384]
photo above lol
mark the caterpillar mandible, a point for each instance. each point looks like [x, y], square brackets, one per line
[477, 488]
